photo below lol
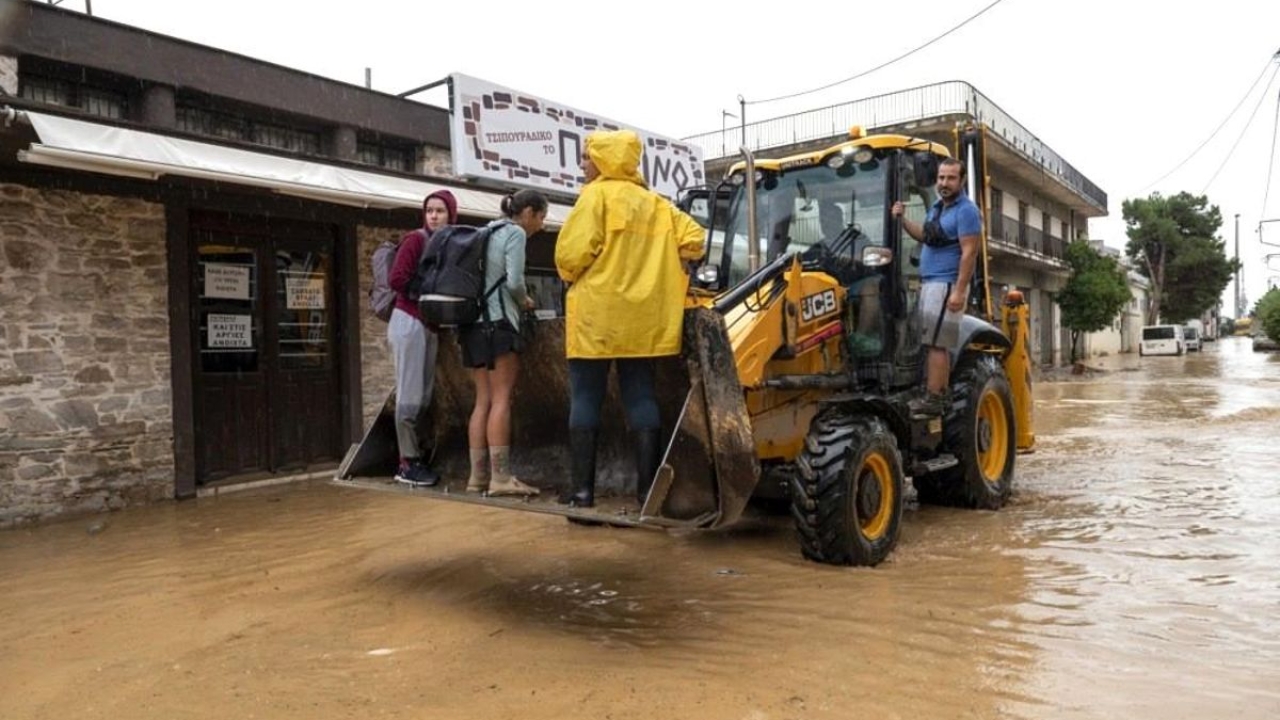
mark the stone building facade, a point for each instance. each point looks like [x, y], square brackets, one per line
[85, 402]
[128, 374]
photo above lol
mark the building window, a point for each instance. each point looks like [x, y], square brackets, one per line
[232, 127]
[1022, 224]
[204, 122]
[286, 138]
[1062, 230]
[386, 156]
[997, 213]
[92, 100]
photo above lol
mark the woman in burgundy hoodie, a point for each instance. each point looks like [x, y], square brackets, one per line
[414, 345]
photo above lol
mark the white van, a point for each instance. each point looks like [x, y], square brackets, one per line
[1191, 338]
[1162, 340]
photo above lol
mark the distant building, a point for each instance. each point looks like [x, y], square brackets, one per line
[1126, 330]
[1038, 201]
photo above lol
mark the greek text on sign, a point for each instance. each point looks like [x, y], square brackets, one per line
[230, 331]
[518, 139]
[230, 282]
[817, 305]
[304, 293]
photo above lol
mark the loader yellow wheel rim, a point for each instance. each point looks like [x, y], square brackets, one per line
[874, 503]
[992, 436]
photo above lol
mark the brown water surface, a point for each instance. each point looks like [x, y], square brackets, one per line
[1133, 575]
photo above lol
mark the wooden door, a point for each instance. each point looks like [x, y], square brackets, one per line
[266, 377]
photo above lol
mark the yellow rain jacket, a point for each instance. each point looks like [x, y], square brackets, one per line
[621, 249]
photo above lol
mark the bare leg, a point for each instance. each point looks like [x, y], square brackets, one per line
[502, 380]
[478, 481]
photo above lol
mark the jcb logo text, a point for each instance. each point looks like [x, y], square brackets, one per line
[817, 305]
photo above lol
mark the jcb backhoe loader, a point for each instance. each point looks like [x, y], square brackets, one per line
[801, 351]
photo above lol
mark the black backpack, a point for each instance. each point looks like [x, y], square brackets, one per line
[449, 283]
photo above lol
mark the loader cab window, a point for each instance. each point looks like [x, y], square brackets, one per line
[808, 211]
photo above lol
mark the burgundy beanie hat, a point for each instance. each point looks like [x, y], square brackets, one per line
[450, 202]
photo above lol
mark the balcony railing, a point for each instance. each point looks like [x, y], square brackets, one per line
[928, 101]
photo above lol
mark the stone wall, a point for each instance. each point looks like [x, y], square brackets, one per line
[378, 370]
[85, 401]
[435, 162]
[9, 74]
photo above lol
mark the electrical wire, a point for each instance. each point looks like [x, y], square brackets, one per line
[881, 66]
[1266, 189]
[1213, 134]
[1236, 144]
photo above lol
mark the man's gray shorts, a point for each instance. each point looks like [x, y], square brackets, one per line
[940, 327]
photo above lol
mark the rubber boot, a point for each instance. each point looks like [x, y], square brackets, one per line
[648, 455]
[582, 452]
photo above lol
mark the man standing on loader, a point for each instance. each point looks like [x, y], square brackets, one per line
[951, 232]
[620, 250]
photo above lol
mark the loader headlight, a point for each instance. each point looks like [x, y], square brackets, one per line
[863, 154]
[875, 256]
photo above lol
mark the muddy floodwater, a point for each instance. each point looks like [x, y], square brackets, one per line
[1136, 574]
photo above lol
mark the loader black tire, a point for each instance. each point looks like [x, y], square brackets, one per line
[846, 494]
[979, 430]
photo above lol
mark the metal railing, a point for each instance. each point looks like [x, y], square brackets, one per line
[954, 97]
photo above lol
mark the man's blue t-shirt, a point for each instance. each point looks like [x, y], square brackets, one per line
[942, 264]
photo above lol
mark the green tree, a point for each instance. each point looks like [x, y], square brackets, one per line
[1094, 294]
[1267, 312]
[1173, 242]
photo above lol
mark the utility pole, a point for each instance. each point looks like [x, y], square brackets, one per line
[724, 146]
[1237, 315]
[742, 118]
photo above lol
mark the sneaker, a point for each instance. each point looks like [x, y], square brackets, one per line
[417, 474]
[929, 405]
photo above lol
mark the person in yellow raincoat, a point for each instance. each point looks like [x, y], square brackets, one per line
[621, 251]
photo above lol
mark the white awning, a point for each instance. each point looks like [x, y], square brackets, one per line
[93, 147]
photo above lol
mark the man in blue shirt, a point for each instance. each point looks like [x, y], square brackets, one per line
[950, 233]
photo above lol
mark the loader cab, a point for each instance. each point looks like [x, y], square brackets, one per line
[833, 209]
[805, 206]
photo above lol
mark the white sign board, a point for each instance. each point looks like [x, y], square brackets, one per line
[305, 293]
[230, 282]
[518, 139]
[230, 331]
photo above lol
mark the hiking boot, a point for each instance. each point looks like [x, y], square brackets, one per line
[929, 405]
[415, 473]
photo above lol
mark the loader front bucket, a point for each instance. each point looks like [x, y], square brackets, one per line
[705, 480]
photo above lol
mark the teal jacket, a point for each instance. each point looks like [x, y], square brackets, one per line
[506, 255]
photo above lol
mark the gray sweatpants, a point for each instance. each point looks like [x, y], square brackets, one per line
[414, 348]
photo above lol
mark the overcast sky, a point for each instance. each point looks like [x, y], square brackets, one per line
[1123, 90]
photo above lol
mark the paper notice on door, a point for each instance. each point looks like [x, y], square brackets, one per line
[305, 293]
[230, 331]
[230, 282]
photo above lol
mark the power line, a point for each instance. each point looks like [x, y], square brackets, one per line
[1213, 134]
[1243, 130]
[882, 65]
[1266, 189]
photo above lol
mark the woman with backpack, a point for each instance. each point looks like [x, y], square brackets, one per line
[491, 347]
[413, 345]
